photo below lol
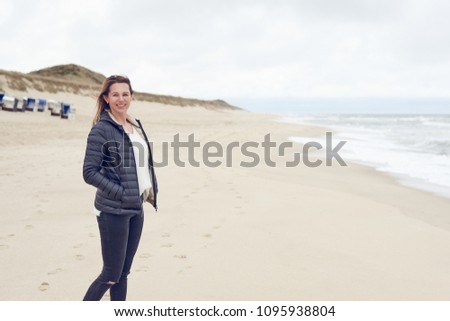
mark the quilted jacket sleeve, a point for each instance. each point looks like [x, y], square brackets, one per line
[92, 166]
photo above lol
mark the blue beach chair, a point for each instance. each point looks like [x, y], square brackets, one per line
[65, 110]
[41, 105]
[29, 104]
[1, 100]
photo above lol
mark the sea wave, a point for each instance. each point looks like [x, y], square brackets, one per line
[413, 146]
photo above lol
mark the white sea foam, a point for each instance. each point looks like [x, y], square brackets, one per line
[411, 146]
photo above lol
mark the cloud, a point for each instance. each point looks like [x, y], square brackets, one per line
[218, 49]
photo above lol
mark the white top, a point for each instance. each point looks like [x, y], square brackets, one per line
[141, 155]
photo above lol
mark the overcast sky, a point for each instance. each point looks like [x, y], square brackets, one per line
[240, 49]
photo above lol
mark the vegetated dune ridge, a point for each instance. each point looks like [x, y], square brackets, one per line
[76, 79]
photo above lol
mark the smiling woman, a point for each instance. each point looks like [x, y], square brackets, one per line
[115, 97]
[119, 99]
[123, 183]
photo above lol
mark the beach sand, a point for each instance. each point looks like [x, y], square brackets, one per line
[221, 233]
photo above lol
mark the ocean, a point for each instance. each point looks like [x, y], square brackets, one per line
[415, 148]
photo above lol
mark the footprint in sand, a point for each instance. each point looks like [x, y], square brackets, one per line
[143, 268]
[79, 257]
[180, 256]
[44, 286]
[3, 246]
[165, 235]
[216, 227]
[78, 245]
[185, 269]
[29, 227]
[54, 271]
[207, 245]
[145, 255]
[207, 235]
[167, 245]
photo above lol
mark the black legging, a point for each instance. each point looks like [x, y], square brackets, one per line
[120, 235]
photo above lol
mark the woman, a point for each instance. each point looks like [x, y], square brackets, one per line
[118, 162]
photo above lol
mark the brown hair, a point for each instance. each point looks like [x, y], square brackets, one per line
[101, 103]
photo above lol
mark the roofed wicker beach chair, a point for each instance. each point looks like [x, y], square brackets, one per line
[10, 103]
[30, 103]
[41, 105]
[55, 108]
[65, 110]
[52, 103]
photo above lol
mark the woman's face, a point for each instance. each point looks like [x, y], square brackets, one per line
[118, 98]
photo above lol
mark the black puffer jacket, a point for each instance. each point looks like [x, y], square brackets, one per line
[110, 166]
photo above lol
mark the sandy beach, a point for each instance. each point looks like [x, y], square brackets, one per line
[221, 233]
